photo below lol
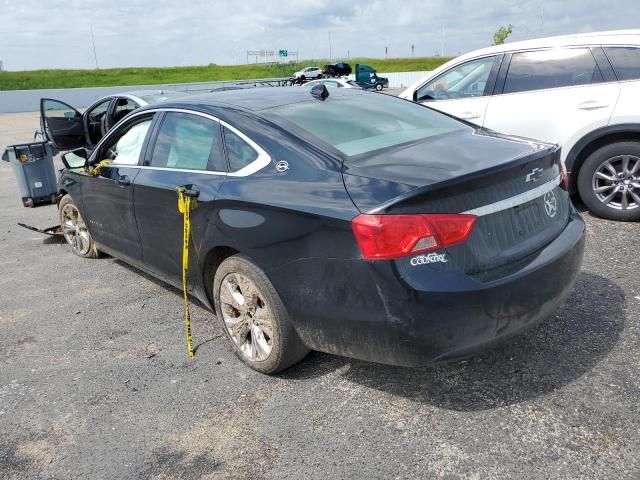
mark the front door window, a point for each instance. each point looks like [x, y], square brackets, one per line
[463, 81]
[126, 148]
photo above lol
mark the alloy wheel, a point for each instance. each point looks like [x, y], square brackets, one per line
[74, 229]
[246, 316]
[616, 182]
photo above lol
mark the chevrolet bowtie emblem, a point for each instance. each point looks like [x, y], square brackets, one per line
[534, 175]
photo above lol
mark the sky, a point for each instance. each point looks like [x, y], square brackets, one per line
[37, 34]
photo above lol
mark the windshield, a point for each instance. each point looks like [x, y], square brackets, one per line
[358, 124]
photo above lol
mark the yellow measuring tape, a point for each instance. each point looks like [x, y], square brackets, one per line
[97, 170]
[186, 203]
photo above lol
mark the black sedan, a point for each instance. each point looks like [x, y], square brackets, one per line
[356, 224]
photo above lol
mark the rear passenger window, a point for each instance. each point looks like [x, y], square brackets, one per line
[239, 152]
[625, 61]
[558, 67]
[189, 142]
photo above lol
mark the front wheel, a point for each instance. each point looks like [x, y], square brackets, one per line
[75, 230]
[378, 87]
[254, 318]
[609, 181]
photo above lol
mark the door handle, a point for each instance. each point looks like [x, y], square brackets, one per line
[469, 115]
[190, 191]
[123, 181]
[592, 105]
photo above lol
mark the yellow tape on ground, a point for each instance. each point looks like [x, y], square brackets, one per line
[185, 205]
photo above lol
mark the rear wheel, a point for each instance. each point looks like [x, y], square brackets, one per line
[609, 181]
[253, 317]
[74, 229]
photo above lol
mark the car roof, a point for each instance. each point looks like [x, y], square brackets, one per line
[613, 37]
[137, 95]
[254, 99]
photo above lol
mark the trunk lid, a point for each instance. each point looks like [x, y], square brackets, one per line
[511, 184]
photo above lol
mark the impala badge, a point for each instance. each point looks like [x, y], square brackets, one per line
[534, 175]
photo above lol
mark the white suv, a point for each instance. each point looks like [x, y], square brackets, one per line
[307, 73]
[580, 91]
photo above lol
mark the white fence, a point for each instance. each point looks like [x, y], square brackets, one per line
[29, 100]
[402, 79]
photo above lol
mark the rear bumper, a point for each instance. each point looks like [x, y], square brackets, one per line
[370, 311]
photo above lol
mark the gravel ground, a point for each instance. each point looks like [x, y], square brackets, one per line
[95, 381]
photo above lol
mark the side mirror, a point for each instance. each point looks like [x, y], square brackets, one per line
[75, 159]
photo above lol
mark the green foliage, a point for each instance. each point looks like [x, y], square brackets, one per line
[35, 79]
[501, 34]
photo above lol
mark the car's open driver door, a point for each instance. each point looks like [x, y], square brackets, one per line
[62, 124]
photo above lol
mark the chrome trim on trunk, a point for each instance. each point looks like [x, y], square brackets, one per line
[517, 199]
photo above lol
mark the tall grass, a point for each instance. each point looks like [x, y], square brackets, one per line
[34, 79]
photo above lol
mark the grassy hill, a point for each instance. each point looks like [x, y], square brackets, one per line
[34, 79]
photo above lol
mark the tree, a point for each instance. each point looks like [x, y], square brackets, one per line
[501, 34]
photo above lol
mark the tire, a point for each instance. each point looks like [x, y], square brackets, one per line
[614, 197]
[74, 230]
[276, 345]
[378, 87]
[302, 78]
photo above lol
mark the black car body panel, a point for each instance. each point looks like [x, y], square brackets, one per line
[295, 225]
[411, 316]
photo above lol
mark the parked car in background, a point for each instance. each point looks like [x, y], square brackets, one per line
[339, 69]
[227, 88]
[351, 223]
[307, 73]
[334, 83]
[580, 91]
[89, 127]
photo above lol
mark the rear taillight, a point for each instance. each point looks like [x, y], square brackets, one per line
[564, 176]
[383, 237]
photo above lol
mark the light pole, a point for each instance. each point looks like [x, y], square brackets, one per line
[330, 52]
[93, 41]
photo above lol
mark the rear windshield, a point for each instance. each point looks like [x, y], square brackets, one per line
[359, 124]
